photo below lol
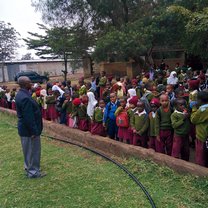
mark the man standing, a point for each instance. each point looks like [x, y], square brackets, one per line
[29, 128]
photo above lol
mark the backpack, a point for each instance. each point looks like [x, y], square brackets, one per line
[146, 102]
[122, 120]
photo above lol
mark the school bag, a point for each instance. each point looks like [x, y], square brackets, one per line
[122, 120]
[146, 102]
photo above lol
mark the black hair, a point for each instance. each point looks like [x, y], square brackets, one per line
[177, 100]
[159, 81]
[148, 85]
[203, 96]
[178, 90]
[117, 78]
[124, 98]
[68, 82]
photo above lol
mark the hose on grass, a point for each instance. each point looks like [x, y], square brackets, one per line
[119, 165]
[131, 175]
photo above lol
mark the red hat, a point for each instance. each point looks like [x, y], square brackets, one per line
[37, 93]
[76, 102]
[134, 100]
[155, 101]
[134, 81]
[194, 84]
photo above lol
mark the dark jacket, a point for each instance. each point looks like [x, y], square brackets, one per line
[29, 115]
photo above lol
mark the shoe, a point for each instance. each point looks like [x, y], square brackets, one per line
[41, 175]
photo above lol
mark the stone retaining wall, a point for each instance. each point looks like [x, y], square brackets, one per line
[119, 149]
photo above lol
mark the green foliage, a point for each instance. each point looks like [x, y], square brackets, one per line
[194, 29]
[8, 41]
[197, 33]
[129, 29]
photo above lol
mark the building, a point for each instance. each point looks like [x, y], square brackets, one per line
[51, 67]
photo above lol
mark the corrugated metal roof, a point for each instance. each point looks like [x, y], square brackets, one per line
[34, 61]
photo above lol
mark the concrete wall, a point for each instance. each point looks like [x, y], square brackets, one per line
[115, 68]
[114, 148]
[52, 68]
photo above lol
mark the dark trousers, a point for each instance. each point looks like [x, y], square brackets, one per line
[152, 142]
[201, 153]
[140, 140]
[166, 142]
[181, 147]
[112, 129]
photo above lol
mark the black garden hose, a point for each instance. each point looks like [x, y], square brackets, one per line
[131, 175]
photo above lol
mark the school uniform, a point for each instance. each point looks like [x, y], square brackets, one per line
[51, 110]
[97, 127]
[200, 119]
[122, 131]
[152, 132]
[130, 134]
[181, 128]
[83, 121]
[141, 124]
[67, 107]
[102, 84]
[110, 120]
[164, 129]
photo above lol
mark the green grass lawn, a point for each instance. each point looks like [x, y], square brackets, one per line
[77, 178]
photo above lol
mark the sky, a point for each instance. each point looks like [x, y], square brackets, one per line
[23, 18]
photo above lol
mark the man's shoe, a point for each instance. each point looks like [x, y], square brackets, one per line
[41, 175]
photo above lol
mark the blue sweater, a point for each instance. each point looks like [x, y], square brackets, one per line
[109, 111]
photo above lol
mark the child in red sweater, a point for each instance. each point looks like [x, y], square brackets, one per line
[122, 120]
[97, 127]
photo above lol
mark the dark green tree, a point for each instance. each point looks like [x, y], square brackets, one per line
[59, 42]
[8, 43]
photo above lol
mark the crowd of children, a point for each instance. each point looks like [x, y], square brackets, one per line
[161, 109]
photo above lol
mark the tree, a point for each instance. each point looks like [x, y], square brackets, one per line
[8, 43]
[59, 42]
[129, 29]
[27, 56]
[194, 28]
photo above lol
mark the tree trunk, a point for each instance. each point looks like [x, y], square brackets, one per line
[3, 74]
[65, 67]
[126, 11]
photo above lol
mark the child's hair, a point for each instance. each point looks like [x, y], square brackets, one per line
[177, 100]
[203, 96]
[178, 91]
[148, 86]
[141, 102]
[164, 95]
[169, 85]
[88, 85]
[160, 81]
[101, 100]
[123, 98]
[117, 78]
